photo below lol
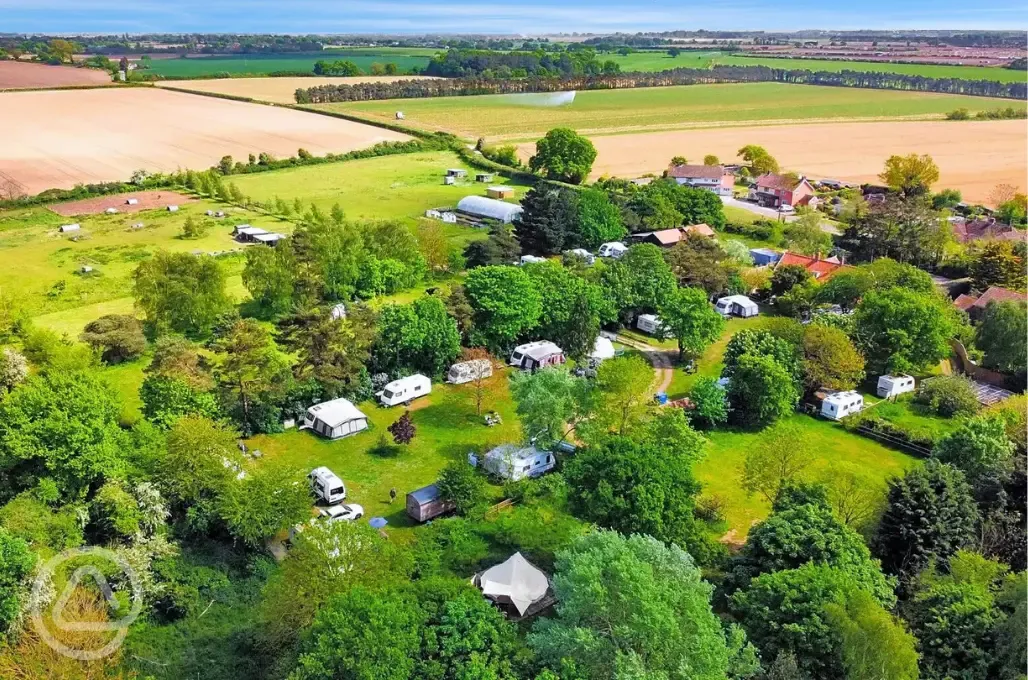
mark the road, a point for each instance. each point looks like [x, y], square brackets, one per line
[663, 368]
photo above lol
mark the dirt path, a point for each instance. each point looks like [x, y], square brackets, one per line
[662, 366]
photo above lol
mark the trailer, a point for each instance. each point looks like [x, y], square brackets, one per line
[404, 390]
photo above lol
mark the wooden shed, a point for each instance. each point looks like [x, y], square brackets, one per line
[425, 503]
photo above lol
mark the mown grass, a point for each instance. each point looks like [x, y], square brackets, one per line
[655, 108]
[263, 64]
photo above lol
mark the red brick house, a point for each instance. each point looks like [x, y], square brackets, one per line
[965, 230]
[772, 190]
[710, 177]
[974, 306]
[821, 268]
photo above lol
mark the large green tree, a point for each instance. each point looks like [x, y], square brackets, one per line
[900, 331]
[548, 222]
[118, 337]
[622, 393]
[563, 155]
[551, 403]
[873, 643]
[506, 305]
[979, 448]
[419, 336]
[1002, 336]
[830, 360]
[761, 390]
[270, 276]
[181, 293]
[333, 352]
[572, 307]
[599, 220]
[267, 499]
[16, 565]
[250, 370]
[691, 320]
[911, 174]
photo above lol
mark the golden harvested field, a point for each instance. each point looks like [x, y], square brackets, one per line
[277, 90]
[973, 156]
[62, 138]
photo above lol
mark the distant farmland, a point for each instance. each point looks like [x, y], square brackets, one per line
[263, 64]
[521, 117]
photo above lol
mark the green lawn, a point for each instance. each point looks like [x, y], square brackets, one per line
[660, 60]
[264, 64]
[656, 108]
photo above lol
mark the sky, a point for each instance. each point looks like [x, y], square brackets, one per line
[511, 17]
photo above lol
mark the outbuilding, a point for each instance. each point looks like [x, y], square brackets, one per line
[484, 177]
[404, 390]
[894, 385]
[534, 355]
[838, 405]
[500, 192]
[335, 419]
[480, 207]
[516, 586]
[172, 208]
[737, 305]
[514, 462]
[648, 323]
[467, 371]
[613, 249]
[456, 172]
[425, 503]
[763, 257]
[65, 228]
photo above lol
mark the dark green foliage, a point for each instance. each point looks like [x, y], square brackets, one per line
[761, 343]
[647, 278]
[461, 484]
[954, 624]
[332, 353]
[270, 276]
[948, 395]
[548, 225]
[690, 319]
[785, 278]
[1001, 335]
[506, 305]
[599, 220]
[906, 229]
[979, 448]
[499, 248]
[901, 331]
[418, 337]
[118, 337]
[701, 262]
[563, 155]
[269, 498]
[761, 390]
[42, 527]
[710, 403]
[181, 293]
[166, 398]
[571, 308]
[16, 563]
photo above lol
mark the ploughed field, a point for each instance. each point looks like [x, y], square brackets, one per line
[276, 90]
[524, 117]
[59, 139]
[15, 75]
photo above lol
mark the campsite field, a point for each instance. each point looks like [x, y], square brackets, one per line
[276, 90]
[527, 117]
[62, 138]
[17, 75]
[264, 64]
[973, 157]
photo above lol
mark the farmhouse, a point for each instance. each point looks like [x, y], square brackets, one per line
[514, 462]
[539, 354]
[773, 190]
[425, 503]
[480, 207]
[764, 256]
[820, 268]
[666, 238]
[710, 177]
[335, 419]
[974, 306]
[244, 233]
[516, 586]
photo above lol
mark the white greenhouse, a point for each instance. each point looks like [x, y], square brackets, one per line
[489, 208]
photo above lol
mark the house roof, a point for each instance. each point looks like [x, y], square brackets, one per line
[821, 268]
[696, 171]
[964, 302]
[268, 238]
[669, 237]
[997, 294]
[336, 412]
[780, 182]
[985, 228]
[516, 581]
[425, 494]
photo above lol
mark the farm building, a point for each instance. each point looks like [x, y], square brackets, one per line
[404, 390]
[514, 462]
[449, 217]
[500, 192]
[764, 256]
[589, 258]
[425, 503]
[539, 354]
[516, 586]
[65, 228]
[449, 180]
[648, 323]
[480, 207]
[614, 249]
[456, 172]
[737, 305]
[894, 385]
[773, 190]
[484, 177]
[666, 238]
[841, 404]
[820, 268]
[467, 371]
[710, 177]
[335, 419]
[244, 233]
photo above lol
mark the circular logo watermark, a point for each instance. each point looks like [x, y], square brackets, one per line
[56, 613]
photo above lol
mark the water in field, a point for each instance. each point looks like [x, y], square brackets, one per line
[541, 99]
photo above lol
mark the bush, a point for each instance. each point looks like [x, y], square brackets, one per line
[761, 230]
[948, 395]
[918, 436]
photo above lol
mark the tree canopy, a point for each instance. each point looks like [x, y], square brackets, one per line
[563, 155]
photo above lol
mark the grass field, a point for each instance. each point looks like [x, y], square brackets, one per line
[661, 61]
[662, 108]
[263, 64]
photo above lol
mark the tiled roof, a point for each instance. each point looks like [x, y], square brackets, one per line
[964, 302]
[822, 269]
[698, 171]
[997, 294]
[669, 237]
[701, 229]
[985, 228]
[781, 182]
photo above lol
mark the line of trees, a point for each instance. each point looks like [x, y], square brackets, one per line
[484, 84]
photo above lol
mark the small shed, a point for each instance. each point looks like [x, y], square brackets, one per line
[516, 586]
[449, 180]
[269, 239]
[614, 249]
[335, 419]
[449, 218]
[484, 177]
[514, 462]
[534, 355]
[85, 269]
[425, 503]
[648, 323]
[489, 208]
[467, 371]
[894, 385]
[500, 192]
[433, 214]
[838, 405]
[737, 305]
[65, 228]
[456, 172]
[763, 257]
[172, 208]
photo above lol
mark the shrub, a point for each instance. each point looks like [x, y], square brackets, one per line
[948, 395]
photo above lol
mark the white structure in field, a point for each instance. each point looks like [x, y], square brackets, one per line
[516, 583]
[65, 228]
[539, 354]
[489, 208]
[339, 311]
[841, 404]
[335, 419]
[737, 305]
[614, 249]
[584, 254]
[514, 462]
[603, 349]
[404, 390]
[648, 323]
[531, 259]
[894, 385]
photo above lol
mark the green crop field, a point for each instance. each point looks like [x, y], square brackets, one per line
[263, 64]
[523, 117]
[662, 61]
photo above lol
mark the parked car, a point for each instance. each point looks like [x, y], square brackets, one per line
[347, 512]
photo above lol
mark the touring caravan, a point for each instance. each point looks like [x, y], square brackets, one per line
[890, 386]
[531, 259]
[335, 419]
[514, 462]
[737, 305]
[327, 486]
[533, 355]
[404, 390]
[467, 371]
[648, 323]
[584, 254]
[614, 249]
[841, 404]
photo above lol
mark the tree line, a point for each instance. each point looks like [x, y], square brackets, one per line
[482, 84]
[460, 63]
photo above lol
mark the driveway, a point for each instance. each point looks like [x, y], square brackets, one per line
[771, 213]
[663, 367]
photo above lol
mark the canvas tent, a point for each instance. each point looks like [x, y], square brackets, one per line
[516, 583]
[737, 305]
[335, 419]
[602, 349]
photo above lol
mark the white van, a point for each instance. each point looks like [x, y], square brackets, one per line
[327, 486]
[404, 390]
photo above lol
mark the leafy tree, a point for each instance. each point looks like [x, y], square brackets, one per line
[946, 199]
[201, 460]
[459, 307]
[948, 395]
[548, 223]
[499, 248]
[997, 263]
[901, 331]
[118, 337]
[115, 512]
[785, 278]
[1010, 634]
[979, 448]
[700, 261]
[911, 174]
[270, 276]
[40, 526]
[930, 515]
[906, 229]
[181, 293]
[710, 403]
[761, 390]
[634, 603]
[269, 498]
[459, 483]
[761, 162]
[761, 342]
[420, 336]
[711, 159]
[691, 320]
[806, 236]
[194, 229]
[873, 643]
[403, 430]
[550, 403]
[571, 307]
[14, 368]
[777, 462]
[64, 426]
[599, 220]
[332, 352]
[563, 155]
[16, 565]
[506, 305]
[635, 487]
[622, 384]
[249, 369]
[650, 279]
[954, 623]
[830, 360]
[1001, 335]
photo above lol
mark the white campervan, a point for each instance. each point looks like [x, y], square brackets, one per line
[614, 249]
[404, 390]
[327, 486]
[531, 259]
[890, 386]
